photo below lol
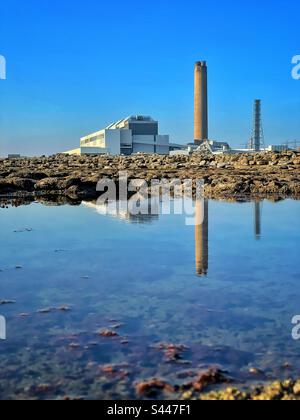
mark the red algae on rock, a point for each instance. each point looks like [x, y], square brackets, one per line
[212, 376]
[117, 371]
[151, 387]
[172, 352]
[107, 333]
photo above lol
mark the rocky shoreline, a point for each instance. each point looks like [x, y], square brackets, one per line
[264, 175]
[288, 390]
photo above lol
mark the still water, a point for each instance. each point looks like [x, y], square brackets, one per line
[227, 290]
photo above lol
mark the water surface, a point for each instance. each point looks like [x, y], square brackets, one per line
[227, 290]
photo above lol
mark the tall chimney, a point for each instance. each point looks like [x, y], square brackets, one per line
[257, 129]
[201, 102]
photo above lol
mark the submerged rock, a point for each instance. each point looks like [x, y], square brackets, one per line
[74, 346]
[38, 389]
[45, 310]
[7, 302]
[256, 372]
[172, 352]
[152, 387]
[115, 371]
[63, 308]
[209, 377]
[107, 333]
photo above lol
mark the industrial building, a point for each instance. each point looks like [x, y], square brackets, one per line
[135, 134]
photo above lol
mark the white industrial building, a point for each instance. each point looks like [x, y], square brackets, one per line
[135, 134]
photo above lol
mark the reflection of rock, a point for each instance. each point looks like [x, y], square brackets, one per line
[46, 200]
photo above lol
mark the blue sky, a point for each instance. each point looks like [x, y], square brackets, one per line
[75, 66]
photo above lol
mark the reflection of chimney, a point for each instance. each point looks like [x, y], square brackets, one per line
[201, 237]
[257, 219]
[201, 103]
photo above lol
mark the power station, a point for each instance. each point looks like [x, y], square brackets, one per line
[139, 134]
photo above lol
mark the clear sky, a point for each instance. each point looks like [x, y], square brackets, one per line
[73, 67]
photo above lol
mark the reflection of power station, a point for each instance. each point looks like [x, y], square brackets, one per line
[201, 225]
[202, 232]
[257, 219]
[201, 237]
[119, 210]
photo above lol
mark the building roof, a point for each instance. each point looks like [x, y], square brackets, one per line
[132, 119]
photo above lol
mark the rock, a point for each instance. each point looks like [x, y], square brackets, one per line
[18, 184]
[7, 302]
[38, 389]
[63, 308]
[172, 352]
[296, 388]
[74, 178]
[210, 377]
[45, 311]
[152, 387]
[222, 166]
[286, 390]
[48, 184]
[117, 371]
[255, 371]
[74, 346]
[107, 333]
[117, 326]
